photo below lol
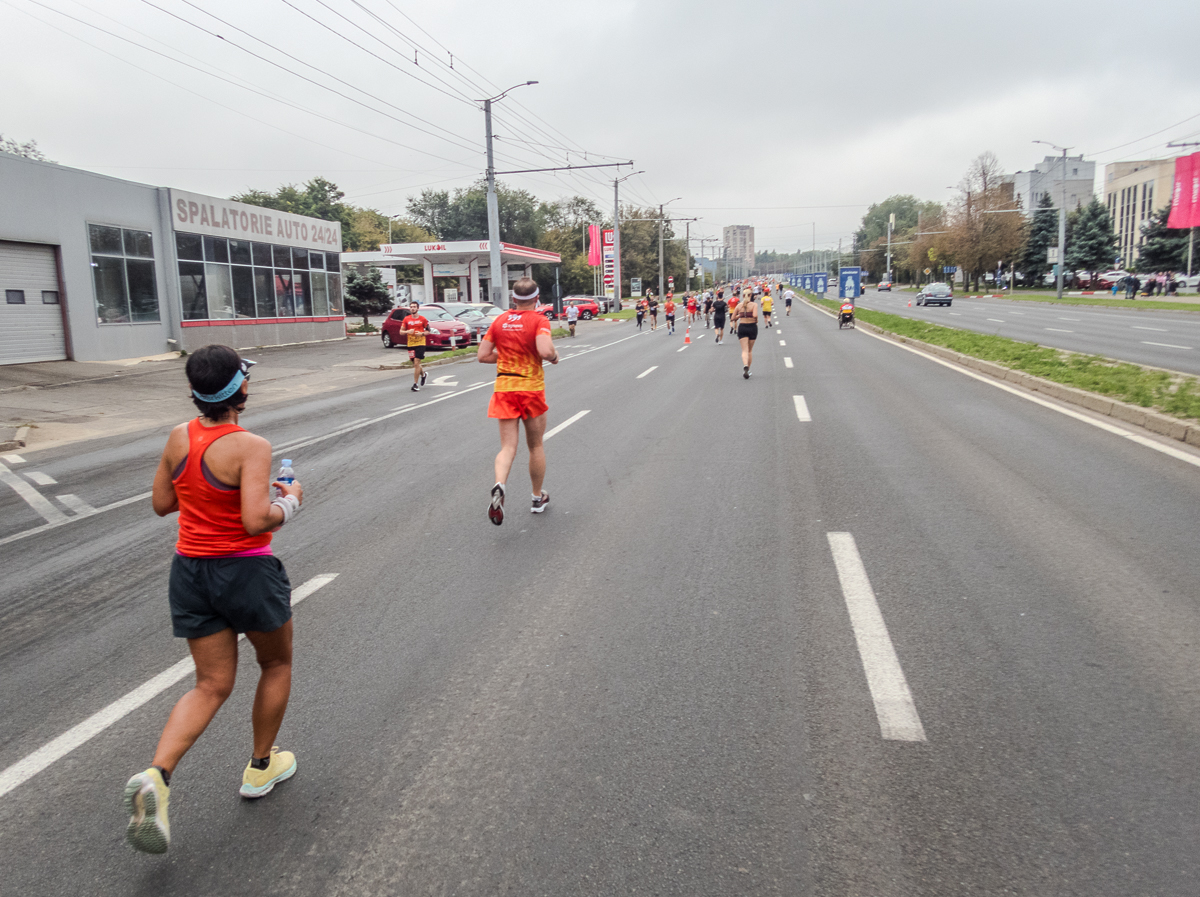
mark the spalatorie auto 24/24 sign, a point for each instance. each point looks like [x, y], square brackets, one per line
[192, 213]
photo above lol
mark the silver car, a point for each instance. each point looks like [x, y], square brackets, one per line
[935, 294]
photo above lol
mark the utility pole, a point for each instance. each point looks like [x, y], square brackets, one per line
[497, 276]
[661, 282]
[891, 224]
[1062, 216]
[617, 236]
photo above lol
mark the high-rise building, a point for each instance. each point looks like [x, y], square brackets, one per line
[739, 246]
[1133, 191]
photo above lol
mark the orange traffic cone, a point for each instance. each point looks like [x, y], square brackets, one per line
[687, 336]
[910, 303]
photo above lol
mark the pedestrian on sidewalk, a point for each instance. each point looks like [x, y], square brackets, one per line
[517, 343]
[572, 318]
[224, 581]
[414, 327]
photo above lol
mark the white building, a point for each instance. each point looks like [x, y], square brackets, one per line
[95, 268]
[738, 240]
[1046, 178]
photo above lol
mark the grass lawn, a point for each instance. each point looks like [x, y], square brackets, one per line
[1176, 395]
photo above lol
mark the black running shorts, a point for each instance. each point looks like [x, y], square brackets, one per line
[747, 331]
[416, 351]
[243, 594]
[719, 322]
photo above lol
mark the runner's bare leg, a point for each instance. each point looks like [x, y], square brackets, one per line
[535, 429]
[510, 430]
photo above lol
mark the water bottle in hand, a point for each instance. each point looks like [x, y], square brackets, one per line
[286, 474]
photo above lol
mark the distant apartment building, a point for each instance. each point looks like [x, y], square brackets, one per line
[1133, 191]
[739, 245]
[1046, 178]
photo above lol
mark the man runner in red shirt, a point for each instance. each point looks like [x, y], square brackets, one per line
[517, 343]
[415, 326]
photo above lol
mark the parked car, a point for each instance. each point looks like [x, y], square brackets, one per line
[884, 286]
[935, 294]
[1108, 278]
[469, 315]
[445, 331]
[588, 306]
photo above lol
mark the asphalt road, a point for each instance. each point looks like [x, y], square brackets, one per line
[1157, 337]
[673, 681]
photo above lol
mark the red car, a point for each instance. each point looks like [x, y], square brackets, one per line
[445, 331]
[588, 307]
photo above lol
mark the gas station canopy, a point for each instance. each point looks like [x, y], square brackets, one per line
[465, 260]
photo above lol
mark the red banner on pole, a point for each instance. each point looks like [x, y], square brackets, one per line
[594, 251]
[1183, 199]
[1195, 189]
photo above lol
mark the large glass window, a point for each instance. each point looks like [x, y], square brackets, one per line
[221, 278]
[123, 274]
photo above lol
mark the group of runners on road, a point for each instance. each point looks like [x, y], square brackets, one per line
[224, 578]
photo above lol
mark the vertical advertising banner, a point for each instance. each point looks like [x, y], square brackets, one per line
[593, 244]
[806, 282]
[849, 283]
[820, 283]
[1182, 206]
[610, 265]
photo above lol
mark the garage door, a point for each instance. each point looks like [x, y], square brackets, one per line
[31, 321]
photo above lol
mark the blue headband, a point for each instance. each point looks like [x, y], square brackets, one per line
[234, 385]
[244, 365]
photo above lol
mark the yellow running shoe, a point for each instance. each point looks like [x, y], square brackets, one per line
[146, 797]
[259, 782]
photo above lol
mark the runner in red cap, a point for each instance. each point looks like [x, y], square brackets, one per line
[517, 343]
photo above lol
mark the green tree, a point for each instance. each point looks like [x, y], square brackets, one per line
[462, 215]
[1093, 245]
[1162, 248]
[1043, 234]
[366, 294]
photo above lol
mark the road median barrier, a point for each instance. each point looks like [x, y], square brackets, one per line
[1172, 399]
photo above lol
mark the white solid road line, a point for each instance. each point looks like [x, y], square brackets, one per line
[894, 707]
[1177, 454]
[1058, 330]
[32, 497]
[645, 372]
[997, 320]
[25, 769]
[1156, 329]
[801, 409]
[565, 424]
[1164, 345]
[42, 479]
[787, 363]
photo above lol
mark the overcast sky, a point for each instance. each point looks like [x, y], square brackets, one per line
[774, 114]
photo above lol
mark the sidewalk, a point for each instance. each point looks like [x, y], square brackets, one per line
[58, 402]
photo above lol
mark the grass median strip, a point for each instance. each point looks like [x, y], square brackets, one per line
[1173, 394]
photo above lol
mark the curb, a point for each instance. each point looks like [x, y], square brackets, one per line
[17, 442]
[1171, 427]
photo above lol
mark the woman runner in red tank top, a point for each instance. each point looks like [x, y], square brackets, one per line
[224, 581]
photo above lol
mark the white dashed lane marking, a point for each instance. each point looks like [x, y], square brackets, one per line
[801, 409]
[787, 363]
[570, 420]
[645, 372]
[894, 707]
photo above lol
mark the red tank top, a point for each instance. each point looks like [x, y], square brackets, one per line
[210, 516]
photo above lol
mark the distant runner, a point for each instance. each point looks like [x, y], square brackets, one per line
[669, 310]
[653, 312]
[747, 321]
[415, 326]
[517, 343]
[718, 309]
[788, 296]
[572, 317]
[767, 305]
[642, 306]
[708, 304]
[691, 308]
[224, 581]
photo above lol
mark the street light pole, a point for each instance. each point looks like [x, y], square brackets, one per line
[1062, 216]
[496, 275]
[617, 236]
[661, 219]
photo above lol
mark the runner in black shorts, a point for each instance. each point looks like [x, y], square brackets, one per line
[224, 581]
[653, 312]
[747, 330]
[718, 309]
[708, 304]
